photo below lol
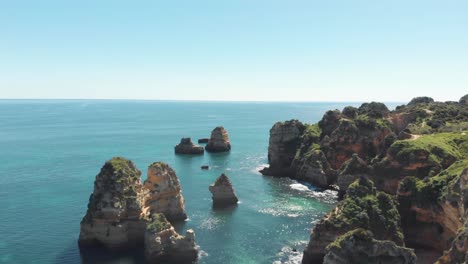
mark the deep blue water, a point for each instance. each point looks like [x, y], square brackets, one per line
[51, 150]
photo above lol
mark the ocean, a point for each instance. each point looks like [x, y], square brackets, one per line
[51, 151]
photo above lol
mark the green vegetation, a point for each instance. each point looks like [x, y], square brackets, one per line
[365, 207]
[358, 234]
[157, 223]
[310, 142]
[437, 150]
[437, 188]
[122, 169]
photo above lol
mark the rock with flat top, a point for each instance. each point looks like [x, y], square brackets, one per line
[186, 146]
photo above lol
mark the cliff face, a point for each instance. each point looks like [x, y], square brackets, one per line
[114, 208]
[359, 246]
[409, 153]
[363, 207]
[285, 138]
[165, 195]
[121, 211]
[164, 244]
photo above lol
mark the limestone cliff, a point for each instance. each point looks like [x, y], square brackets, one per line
[164, 244]
[219, 141]
[164, 192]
[363, 207]
[121, 211]
[359, 246]
[114, 208]
[285, 139]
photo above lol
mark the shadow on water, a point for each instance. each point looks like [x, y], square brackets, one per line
[97, 254]
[224, 210]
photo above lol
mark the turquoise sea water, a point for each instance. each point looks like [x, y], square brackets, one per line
[51, 150]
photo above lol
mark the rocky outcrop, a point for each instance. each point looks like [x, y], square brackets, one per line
[164, 244]
[285, 139]
[186, 146]
[219, 141]
[353, 169]
[363, 207]
[359, 246]
[223, 192]
[203, 140]
[421, 100]
[123, 214]
[464, 99]
[114, 208]
[164, 192]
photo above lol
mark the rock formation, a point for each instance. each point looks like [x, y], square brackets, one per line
[165, 195]
[359, 246]
[223, 192]
[203, 140]
[464, 99]
[219, 141]
[164, 244]
[186, 146]
[114, 208]
[420, 167]
[363, 207]
[285, 139]
[123, 214]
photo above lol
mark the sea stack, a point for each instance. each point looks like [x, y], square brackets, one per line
[219, 141]
[164, 245]
[203, 140]
[186, 146]
[165, 195]
[123, 214]
[223, 192]
[114, 208]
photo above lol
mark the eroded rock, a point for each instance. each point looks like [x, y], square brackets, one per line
[186, 146]
[219, 141]
[223, 192]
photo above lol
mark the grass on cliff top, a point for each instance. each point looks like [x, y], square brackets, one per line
[364, 207]
[310, 141]
[437, 188]
[157, 223]
[122, 168]
[358, 234]
[441, 148]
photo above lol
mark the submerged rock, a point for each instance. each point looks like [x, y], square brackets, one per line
[219, 141]
[164, 244]
[186, 146]
[205, 167]
[359, 246]
[165, 195]
[223, 192]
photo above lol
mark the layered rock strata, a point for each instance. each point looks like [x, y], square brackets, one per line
[359, 246]
[186, 146]
[121, 212]
[219, 141]
[163, 244]
[223, 192]
[164, 192]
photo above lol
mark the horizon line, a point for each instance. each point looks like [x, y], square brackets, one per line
[191, 100]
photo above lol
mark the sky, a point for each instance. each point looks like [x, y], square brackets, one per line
[244, 50]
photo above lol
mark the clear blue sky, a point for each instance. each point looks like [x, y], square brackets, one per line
[234, 50]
